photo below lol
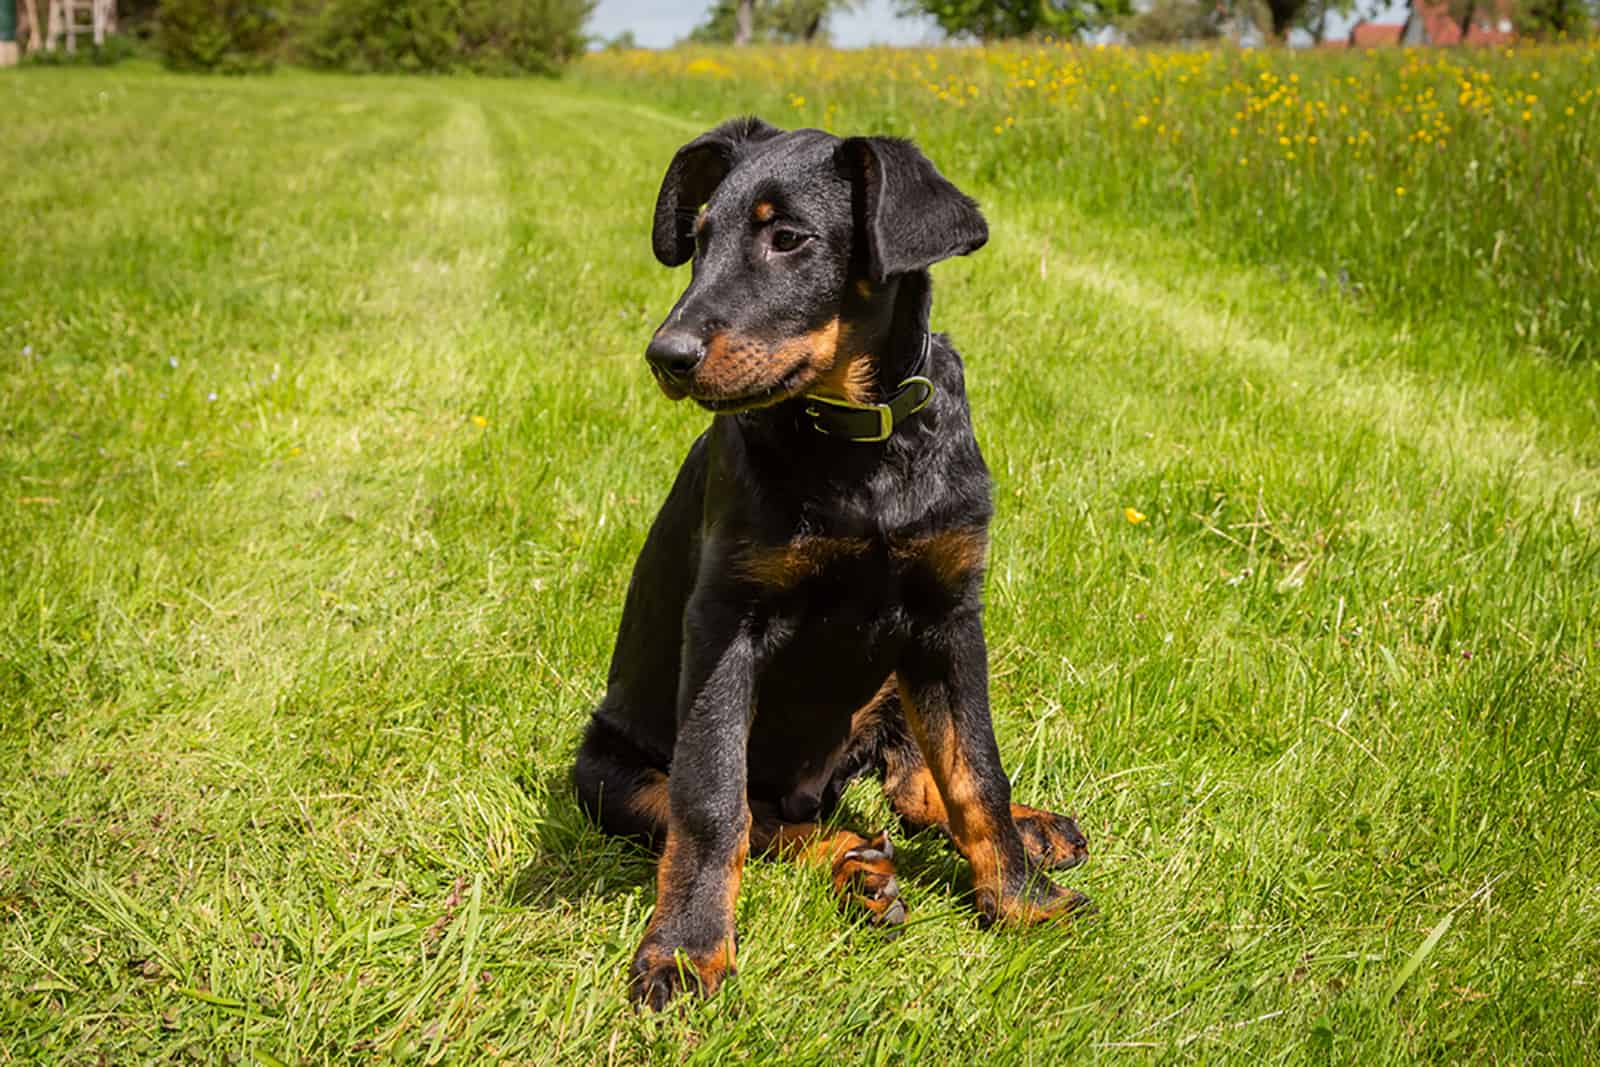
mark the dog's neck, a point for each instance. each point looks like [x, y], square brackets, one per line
[889, 342]
[905, 348]
[885, 329]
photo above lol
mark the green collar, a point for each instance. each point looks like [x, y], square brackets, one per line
[851, 421]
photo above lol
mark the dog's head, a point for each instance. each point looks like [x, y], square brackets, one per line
[795, 237]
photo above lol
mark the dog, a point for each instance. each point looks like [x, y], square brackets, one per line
[808, 605]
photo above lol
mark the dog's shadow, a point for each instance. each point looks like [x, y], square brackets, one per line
[573, 861]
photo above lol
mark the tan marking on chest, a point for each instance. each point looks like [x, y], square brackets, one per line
[783, 567]
[952, 556]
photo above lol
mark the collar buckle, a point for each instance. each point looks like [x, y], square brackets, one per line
[849, 420]
[912, 396]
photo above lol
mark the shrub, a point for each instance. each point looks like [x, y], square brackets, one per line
[118, 47]
[230, 36]
[485, 36]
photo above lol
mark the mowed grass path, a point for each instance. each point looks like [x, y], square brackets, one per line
[326, 447]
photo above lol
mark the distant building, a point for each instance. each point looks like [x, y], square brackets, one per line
[1431, 23]
[1371, 35]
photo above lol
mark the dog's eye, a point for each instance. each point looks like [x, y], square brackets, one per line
[787, 240]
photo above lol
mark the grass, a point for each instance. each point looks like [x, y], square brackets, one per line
[1440, 183]
[327, 446]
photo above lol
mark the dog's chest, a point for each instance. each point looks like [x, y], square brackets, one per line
[864, 580]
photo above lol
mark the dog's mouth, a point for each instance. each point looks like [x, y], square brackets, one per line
[791, 383]
[671, 387]
[740, 372]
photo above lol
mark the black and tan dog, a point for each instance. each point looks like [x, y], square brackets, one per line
[808, 605]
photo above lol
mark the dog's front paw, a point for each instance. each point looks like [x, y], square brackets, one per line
[1052, 841]
[864, 876]
[660, 972]
[1037, 900]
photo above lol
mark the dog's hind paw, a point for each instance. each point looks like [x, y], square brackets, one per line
[864, 876]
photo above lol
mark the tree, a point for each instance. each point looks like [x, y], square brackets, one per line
[1552, 18]
[989, 20]
[1167, 21]
[1314, 16]
[789, 21]
[485, 36]
[231, 36]
[1461, 12]
[1283, 15]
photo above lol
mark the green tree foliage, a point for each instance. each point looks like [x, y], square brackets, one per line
[1174, 20]
[1556, 18]
[439, 36]
[989, 20]
[137, 17]
[485, 36]
[231, 36]
[788, 21]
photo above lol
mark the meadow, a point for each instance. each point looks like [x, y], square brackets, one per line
[327, 445]
[1440, 182]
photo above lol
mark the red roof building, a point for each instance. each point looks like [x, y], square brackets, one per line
[1431, 23]
[1376, 34]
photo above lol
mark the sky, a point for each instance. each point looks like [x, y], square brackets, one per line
[659, 23]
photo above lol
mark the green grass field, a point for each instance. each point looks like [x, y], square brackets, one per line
[327, 443]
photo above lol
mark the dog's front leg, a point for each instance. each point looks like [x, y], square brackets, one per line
[944, 688]
[689, 943]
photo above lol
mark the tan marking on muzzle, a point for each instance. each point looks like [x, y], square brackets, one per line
[736, 366]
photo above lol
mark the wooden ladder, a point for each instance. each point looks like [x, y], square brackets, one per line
[68, 18]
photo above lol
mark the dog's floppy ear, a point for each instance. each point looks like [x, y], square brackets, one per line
[907, 213]
[691, 178]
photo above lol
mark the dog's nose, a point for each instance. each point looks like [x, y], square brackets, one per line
[674, 354]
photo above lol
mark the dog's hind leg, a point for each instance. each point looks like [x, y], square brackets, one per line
[862, 868]
[619, 787]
